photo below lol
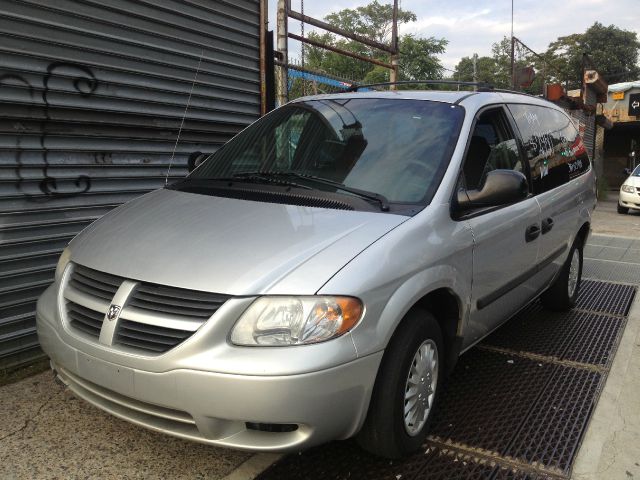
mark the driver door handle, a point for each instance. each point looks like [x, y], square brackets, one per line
[547, 225]
[532, 232]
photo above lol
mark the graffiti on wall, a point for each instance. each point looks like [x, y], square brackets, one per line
[84, 83]
[81, 81]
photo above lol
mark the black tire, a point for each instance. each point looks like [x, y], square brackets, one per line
[622, 210]
[384, 432]
[557, 297]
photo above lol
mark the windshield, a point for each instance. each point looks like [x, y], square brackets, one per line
[636, 172]
[398, 149]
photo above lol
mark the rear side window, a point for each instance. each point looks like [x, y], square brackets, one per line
[554, 148]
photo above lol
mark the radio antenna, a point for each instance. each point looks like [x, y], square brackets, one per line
[184, 115]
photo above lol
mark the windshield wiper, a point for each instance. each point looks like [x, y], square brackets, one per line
[377, 197]
[258, 177]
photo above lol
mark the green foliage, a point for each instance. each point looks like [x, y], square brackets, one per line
[485, 70]
[373, 21]
[418, 59]
[418, 56]
[495, 70]
[611, 50]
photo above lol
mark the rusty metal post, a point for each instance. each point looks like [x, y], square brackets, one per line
[393, 76]
[339, 50]
[282, 93]
[330, 28]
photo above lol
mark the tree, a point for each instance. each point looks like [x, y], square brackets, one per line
[495, 70]
[373, 21]
[610, 50]
[485, 70]
[418, 56]
[418, 60]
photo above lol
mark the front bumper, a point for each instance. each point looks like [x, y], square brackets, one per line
[629, 200]
[238, 411]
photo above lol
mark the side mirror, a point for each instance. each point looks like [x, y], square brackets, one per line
[501, 187]
[195, 159]
[627, 171]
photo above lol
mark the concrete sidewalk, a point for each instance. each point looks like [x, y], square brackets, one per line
[611, 447]
[47, 433]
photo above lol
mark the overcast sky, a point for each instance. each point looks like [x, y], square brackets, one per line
[471, 26]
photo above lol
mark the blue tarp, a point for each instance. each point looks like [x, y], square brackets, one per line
[321, 79]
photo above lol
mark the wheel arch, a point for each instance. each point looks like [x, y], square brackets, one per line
[583, 233]
[446, 306]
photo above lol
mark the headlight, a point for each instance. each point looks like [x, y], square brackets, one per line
[62, 263]
[628, 188]
[281, 321]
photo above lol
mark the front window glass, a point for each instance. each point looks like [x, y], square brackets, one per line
[492, 147]
[636, 172]
[395, 148]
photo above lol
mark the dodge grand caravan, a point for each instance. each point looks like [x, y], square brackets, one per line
[318, 276]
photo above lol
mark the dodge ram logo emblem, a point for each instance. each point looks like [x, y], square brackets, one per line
[114, 312]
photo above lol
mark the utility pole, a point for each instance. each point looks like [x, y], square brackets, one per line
[513, 62]
[475, 69]
[393, 76]
[282, 93]
[513, 53]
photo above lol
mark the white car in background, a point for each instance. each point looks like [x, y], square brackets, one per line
[630, 192]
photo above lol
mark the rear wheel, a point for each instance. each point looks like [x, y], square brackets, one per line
[622, 210]
[406, 388]
[563, 293]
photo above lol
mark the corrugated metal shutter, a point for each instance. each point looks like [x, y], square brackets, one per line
[590, 122]
[91, 98]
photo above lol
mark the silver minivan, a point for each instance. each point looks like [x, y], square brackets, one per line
[317, 277]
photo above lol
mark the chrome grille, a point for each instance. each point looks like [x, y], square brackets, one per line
[176, 301]
[94, 283]
[85, 319]
[149, 337]
[154, 318]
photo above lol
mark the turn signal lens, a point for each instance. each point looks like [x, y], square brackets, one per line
[282, 321]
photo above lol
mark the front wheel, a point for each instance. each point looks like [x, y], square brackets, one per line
[563, 293]
[622, 210]
[406, 388]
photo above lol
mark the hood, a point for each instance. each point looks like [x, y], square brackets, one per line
[633, 181]
[225, 245]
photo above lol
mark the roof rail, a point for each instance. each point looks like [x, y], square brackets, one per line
[482, 86]
[517, 92]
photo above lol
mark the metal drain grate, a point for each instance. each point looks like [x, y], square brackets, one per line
[344, 460]
[576, 336]
[500, 388]
[552, 431]
[611, 271]
[515, 408]
[595, 340]
[510, 474]
[538, 331]
[612, 298]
